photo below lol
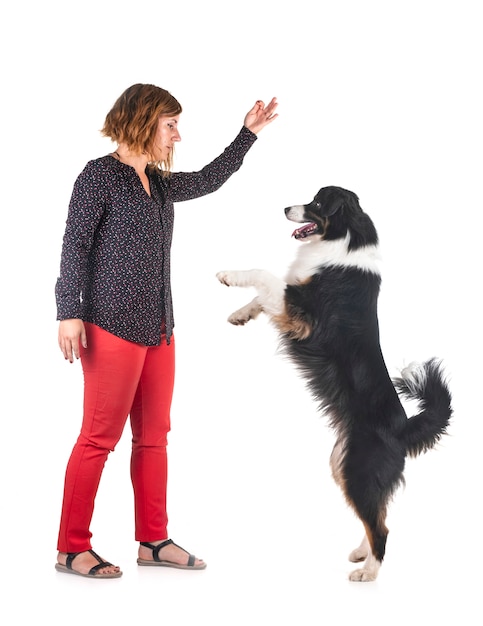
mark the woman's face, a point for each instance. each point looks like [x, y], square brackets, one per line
[166, 136]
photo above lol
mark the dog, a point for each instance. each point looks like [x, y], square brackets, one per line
[325, 312]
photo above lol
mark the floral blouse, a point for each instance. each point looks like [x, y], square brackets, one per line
[115, 261]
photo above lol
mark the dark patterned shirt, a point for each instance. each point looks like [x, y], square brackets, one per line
[115, 262]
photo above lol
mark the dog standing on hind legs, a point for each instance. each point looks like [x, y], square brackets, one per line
[325, 312]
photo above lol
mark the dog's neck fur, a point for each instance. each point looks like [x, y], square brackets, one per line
[316, 253]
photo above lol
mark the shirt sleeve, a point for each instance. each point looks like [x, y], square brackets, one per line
[188, 185]
[86, 208]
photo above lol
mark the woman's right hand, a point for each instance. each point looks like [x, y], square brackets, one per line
[71, 331]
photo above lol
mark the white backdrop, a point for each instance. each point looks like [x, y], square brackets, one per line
[380, 97]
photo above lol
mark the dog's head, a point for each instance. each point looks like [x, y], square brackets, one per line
[333, 213]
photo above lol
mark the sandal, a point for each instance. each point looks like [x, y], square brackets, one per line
[159, 562]
[67, 568]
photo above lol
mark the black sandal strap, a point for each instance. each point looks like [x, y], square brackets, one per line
[168, 542]
[160, 546]
[71, 556]
[191, 557]
[155, 549]
[102, 563]
[96, 556]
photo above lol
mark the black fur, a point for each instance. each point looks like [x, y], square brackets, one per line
[328, 324]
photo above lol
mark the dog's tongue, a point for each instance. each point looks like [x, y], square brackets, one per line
[304, 231]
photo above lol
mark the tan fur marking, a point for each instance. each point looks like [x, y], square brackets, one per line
[336, 460]
[295, 328]
[306, 281]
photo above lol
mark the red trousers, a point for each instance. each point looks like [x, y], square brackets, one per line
[121, 379]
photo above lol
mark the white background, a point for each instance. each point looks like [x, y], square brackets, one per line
[380, 97]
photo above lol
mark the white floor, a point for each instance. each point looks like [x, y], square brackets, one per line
[250, 492]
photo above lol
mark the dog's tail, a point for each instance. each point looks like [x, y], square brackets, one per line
[426, 384]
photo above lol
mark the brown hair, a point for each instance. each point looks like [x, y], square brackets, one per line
[133, 119]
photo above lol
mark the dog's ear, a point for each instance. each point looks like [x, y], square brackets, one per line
[332, 206]
[332, 199]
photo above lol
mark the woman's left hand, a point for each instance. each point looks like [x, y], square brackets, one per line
[260, 115]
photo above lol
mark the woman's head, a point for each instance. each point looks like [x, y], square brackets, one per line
[134, 120]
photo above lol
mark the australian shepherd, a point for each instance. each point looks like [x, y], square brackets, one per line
[326, 314]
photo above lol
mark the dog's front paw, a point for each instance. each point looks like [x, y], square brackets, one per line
[238, 320]
[225, 278]
[241, 317]
[249, 312]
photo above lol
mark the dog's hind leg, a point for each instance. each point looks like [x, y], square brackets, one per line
[370, 479]
[371, 549]
[337, 467]
[371, 470]
[362, 552]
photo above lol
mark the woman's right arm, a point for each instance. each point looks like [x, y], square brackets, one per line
[86, 208]
[72, 333]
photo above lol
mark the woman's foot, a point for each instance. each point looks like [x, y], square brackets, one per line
[170, 555]
[83, 563]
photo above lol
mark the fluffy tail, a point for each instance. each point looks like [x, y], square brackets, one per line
[426, 384]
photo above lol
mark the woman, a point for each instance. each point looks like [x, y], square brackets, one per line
[115, 311]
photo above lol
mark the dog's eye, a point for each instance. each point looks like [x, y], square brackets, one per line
[318, 205]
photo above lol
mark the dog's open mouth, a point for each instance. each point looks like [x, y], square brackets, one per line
[305, 231]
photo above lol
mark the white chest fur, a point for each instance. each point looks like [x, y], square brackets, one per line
[314, 254]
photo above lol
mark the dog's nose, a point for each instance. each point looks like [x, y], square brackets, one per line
[287, 209]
